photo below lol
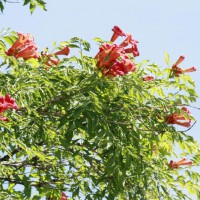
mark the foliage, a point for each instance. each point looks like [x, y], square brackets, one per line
[32, 4]
[90, 135]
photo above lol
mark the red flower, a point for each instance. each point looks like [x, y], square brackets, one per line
[108, 54]
[5, 104]
[64, 196]
[174, 165]
[117, 32]
[148, 78]
[133, 50]
[179, 119]
[178, 71]
[129, 40]
[64, 51]
[2, 118]
[10, 102]
[48, 59]
[24, 47]
[113, 59]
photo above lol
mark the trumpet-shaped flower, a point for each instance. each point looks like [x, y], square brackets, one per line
[179, 119]
[129, 40]
[134, 50]
[24, 47]
[148, 78]
[116, 33]
[6, 103]
[64, 196]
[48, 59]
[2, 118]
[178, 71]
[64, 51]
[113, 59]
[183, 162]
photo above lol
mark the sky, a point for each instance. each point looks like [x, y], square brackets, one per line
[171, 26]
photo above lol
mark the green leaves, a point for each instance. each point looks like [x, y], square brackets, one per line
[93, 136]
[34, 3]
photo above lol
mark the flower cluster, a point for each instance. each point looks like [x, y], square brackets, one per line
[183, 162]
[181, 120]
[177, 71]
[112, 59]
[6, 103]
[25, 47]
[50, 59]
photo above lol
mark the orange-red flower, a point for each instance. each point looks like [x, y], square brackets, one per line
[48, 59]
[113, 59]
[178, 119]
[2, 118]
[64, 196]
[178, 71]
[183, 162]
[148, 78]
[24, 47]
[129, 40]
[133, 49]
[6, 103]
[117, 32]
[64, 51]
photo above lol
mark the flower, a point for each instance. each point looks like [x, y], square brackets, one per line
[64, 51]
[64, 196]
[181, 120]
[48, 59]
[24, 47]
[174, 165]
[2, 118]
[148, 78]
[134, 50]
[117, 32]
[178, 71]
[6, 103]
[129, 40]
[112, 59]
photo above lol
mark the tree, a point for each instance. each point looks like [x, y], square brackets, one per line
[95, 128]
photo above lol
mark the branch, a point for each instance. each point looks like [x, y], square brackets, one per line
[188, 128]
[7, 157]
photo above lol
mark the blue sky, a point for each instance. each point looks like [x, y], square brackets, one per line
[171, 26]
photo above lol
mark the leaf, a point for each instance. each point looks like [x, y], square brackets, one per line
[26, 2]
[166, 59]
[1, 6]
[73, 46]
[10, 39]
[41, 4]
[96, 39]
[32, 6]
[63, 120]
